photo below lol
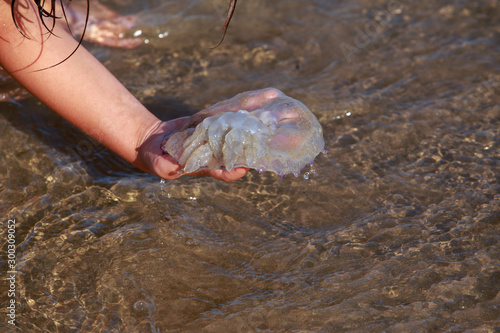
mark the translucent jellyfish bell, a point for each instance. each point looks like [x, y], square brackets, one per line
[262, 129]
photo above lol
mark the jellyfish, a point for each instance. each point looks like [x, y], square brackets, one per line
[265, 130]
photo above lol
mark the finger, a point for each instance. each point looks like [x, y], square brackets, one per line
[255, 99]
[229, 176]
[166, 167]
[247, 101]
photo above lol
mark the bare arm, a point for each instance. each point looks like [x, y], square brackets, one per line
[85, 93]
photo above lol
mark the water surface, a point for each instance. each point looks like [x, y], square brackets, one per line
[397, 231]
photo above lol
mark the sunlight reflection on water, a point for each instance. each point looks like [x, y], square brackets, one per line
[395, 229]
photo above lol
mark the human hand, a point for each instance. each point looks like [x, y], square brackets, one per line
[152, 159]
[248, 101]
[165, 166]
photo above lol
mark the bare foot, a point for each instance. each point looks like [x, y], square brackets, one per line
[104, 27]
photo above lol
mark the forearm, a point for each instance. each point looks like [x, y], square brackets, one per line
[80, 89]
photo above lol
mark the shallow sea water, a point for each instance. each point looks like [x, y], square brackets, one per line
[396, 231]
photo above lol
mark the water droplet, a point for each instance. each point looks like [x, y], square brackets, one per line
[306, 175]
[191, 242]
[140, 306]
[296, 174]
[163, 34]
[162, 181]
[313, 170]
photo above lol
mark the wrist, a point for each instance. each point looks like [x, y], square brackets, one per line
[145, 136]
